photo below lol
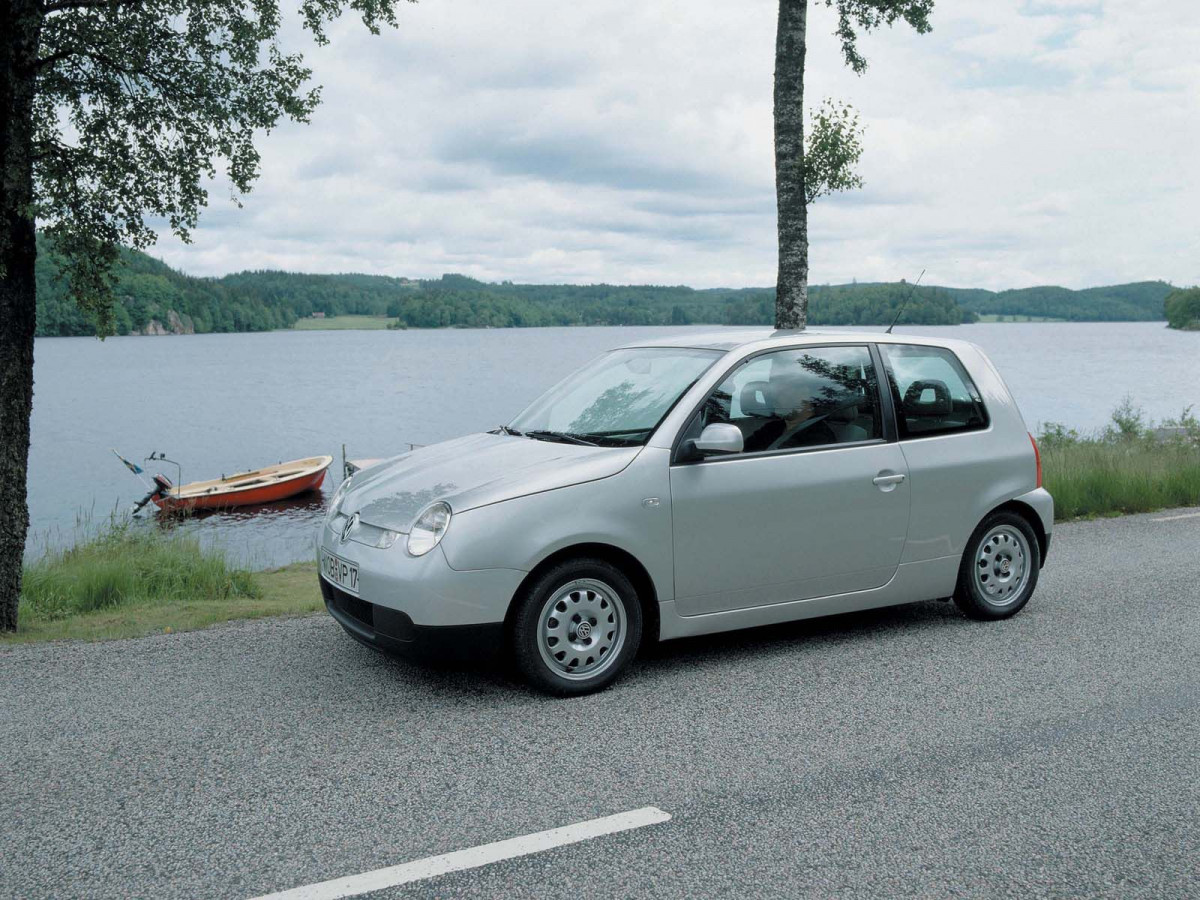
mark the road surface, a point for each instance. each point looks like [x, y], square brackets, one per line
[902, 752]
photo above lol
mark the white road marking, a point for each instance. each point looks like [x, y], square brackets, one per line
[472, 857]
[1181, 516]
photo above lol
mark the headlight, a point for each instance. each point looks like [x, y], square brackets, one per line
[338, 496]
[429, 529]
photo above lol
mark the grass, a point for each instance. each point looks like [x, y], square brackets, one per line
[1125, 468]
[995, 317]
[1097, 478]
[128, 583]
[344, 323]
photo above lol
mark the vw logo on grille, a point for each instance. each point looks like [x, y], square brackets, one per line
[584, 630]
[348, 527]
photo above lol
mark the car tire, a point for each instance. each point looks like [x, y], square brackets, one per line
[999, 568]
[576, 627]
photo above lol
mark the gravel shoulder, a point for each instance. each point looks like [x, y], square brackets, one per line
[900, 752]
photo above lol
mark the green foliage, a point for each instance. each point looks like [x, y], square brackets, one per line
[871, 14]
[1056, 435]
[1098, 478]
[1182, 308]
[146, 289]
[1124, 468]
[833, 148]
[1188, 422]
[1130, 421]
[1137, 302]
[124, 565]
[136, 103]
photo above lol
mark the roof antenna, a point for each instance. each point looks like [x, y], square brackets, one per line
[905, 302]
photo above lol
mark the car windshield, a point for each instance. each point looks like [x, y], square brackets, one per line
[616, 400]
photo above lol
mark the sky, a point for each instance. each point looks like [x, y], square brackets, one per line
[630, 141]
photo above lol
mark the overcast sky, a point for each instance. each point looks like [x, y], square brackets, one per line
[629, 141]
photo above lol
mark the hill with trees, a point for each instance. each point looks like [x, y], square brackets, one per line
[153, 298]
[1137, 302]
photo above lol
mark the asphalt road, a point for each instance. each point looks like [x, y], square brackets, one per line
[903, 752]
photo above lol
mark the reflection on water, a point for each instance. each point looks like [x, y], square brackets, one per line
[262, 535]
[237, 402]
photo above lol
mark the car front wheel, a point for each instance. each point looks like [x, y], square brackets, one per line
[577, 627]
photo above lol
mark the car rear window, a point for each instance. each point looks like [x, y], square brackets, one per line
[932, 391]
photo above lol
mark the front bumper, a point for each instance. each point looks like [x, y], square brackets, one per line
[393, 632]
[419, 606]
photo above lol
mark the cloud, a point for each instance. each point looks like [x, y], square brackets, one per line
[1027, 143]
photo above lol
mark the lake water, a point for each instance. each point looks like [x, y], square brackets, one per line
[223, 403]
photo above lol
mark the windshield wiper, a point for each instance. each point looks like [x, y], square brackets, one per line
[504, 429]
[562, 437]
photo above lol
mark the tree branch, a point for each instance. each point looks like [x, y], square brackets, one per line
[60, 5]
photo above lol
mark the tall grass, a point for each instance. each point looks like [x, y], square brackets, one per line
[121, 565]
[1125, 468]
[1094, 478]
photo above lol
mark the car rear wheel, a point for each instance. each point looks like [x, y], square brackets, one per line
[577, 627]
[999, 568]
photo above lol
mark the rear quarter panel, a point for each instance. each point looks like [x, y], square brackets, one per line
[957, 479]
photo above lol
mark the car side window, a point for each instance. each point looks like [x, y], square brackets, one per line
[799, 398]
[932, 391]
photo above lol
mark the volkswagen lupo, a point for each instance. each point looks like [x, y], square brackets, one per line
[694, 485]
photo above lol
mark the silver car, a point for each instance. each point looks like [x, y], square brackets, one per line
[692, 485]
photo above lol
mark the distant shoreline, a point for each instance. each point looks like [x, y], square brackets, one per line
[378, 323]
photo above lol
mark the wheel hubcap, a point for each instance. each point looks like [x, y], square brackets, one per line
[1001, 563]
[581, 629]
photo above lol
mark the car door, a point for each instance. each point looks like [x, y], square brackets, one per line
[818, 501]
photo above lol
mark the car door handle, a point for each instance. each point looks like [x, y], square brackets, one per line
[888, 479]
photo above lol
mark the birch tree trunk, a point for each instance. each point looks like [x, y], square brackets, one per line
[20, 23]
[791, 290]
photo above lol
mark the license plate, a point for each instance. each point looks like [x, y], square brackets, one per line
[340, 572]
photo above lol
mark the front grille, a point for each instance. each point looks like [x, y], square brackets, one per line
[359, 610]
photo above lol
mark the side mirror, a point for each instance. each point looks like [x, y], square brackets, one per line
[719, 437]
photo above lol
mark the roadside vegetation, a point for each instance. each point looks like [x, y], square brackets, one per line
[1129, 467]
[128, 581]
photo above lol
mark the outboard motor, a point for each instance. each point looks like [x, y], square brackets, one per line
[162, 485]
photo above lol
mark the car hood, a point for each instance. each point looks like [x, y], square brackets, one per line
[472, 471]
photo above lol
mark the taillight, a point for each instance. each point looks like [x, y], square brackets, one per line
[1037, 456]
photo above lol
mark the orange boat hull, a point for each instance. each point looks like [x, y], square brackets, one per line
[248, 496]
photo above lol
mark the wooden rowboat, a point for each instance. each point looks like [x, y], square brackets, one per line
[245, 488]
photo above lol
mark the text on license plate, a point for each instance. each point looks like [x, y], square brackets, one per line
[340, 572]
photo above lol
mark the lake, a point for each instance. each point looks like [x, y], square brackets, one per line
[223, 403]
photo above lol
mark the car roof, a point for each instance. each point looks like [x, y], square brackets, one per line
[730, 339]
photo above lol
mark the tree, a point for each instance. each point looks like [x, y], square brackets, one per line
[1182, 308]
[113, 111]
[792, 195]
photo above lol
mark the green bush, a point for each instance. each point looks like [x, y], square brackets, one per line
[126, 565]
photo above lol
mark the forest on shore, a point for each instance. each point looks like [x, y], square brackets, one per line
[154, 298]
